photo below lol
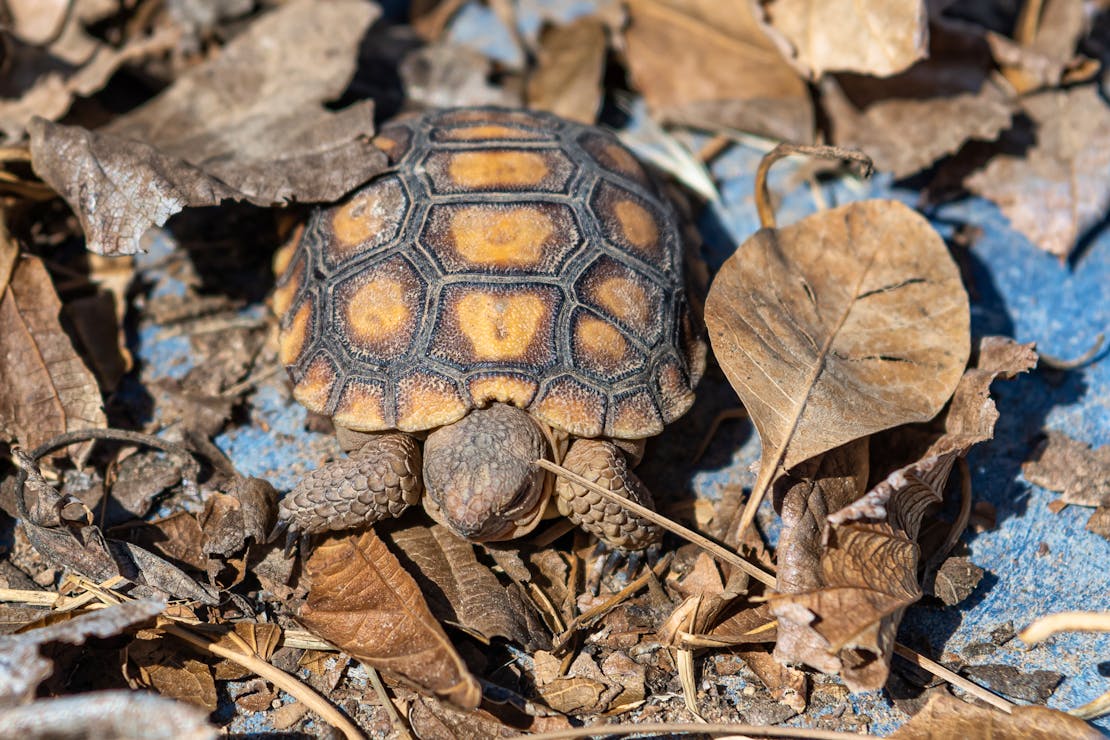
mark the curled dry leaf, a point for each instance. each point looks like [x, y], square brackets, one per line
[47, 388]
[23, 667]
[123, 715]
[1044, 47]
[946, 716]
[569, 67]
[466, 592]
[709, 64]
[873, 37]
[165, 669]
[247, 125]
[363, 601]
[1057, 190]
[851, 573]
[851, 321]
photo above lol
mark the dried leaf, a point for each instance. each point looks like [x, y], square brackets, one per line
[171, 673]
[22, 667]
[583, 690]
[1057, 190]
[246, 512]
[908, 121]
[432, 719]
[845, 622]
[1031, 686]
[1069, 467]
[247, 125]
[851, 321]
[956, 579]
[48, 389]
[445, 75]
[1042, 60]
[261, 638]
[709, 64]
[364, 602]
[946, 717]
[786, 684]
[123, 715]
[874, 37]
[465, 592]
[570, 62]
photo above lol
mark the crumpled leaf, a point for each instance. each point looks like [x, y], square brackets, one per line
[247, 125]
[247, 511]
[1071, 468]
[841, 617]
[874, 37]
[1057, 190]
[43, 80]
[946, 717]
[570, 62]
[174, 674]
[47, 388]
[466, 592]
[363, 601]
[908, 121]
[23, 667]
[123, 715]
[851, 321]
[708, 64]
[1044, 47]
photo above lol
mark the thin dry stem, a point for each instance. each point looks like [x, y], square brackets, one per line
[713, 548]
[1093, 709]
[683, 728]
[387, 703]
[738, 412]
[1045, 627]
[762, 194]
[957, 680]
[290, 685]
[1056, 363]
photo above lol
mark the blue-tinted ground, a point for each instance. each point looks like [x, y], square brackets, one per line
[1037, 562]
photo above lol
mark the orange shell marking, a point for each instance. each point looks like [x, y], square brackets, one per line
[370, 218]
[489, 131]
[601, 342]
[361, 407]
[293, 338]
[377, 311]
[499, 326]
[503, 389]
[637, 224]
[487, 170]
[570, 406]
[425, 401]
[501, 238]
[625, 299]
[314, 389]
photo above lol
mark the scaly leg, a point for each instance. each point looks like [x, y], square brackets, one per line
[603, 463]
[380, 479]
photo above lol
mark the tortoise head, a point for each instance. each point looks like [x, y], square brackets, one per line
[480, 476]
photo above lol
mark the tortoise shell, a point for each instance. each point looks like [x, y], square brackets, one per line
[506, 256]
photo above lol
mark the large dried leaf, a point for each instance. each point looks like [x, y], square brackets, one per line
[22, 667]
[1058, 190]
[851, 321]
[848, 573]
[908, 121]
[122, 715]
[362, 600]
[247, 125]
[874, 37]
[466, 592]
[946, 717]
[164, 668]
[47, 387]
[709, 64]
[569, 66]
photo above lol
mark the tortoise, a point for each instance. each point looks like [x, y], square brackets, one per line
[511, 288]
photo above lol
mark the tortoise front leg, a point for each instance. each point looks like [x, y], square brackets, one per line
[379, 479]
[603, 463]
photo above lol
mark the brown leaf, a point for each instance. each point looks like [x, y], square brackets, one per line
[1042, 59]
[851, 321]
[169, 672]
[709, 64]
[956, 579]
[48, 389]
[583, 690]
[466, 592]
[179, 537]
[908, 121]
[846, 619]
[569, 64]
[247, 125]
[1058, 189]
[1068, 466]
[261, 638]
[874, 37]
[946, 717]
[246, 512]
[787, 685]
[364, 602]
[123, 715]
[1099, 523]
[445, 75]
[432, 719]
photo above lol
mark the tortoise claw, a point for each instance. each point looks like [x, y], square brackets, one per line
[623, 564]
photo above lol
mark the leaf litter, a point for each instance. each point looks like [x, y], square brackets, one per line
[846, 335]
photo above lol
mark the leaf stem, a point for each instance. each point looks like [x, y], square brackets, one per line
[762, 194]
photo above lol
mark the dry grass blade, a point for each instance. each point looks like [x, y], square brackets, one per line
[716, 550]
[956, 680]
[300, 691]
[387, 703]
[1093, 709]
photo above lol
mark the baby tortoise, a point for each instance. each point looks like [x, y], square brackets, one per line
[511, 288]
